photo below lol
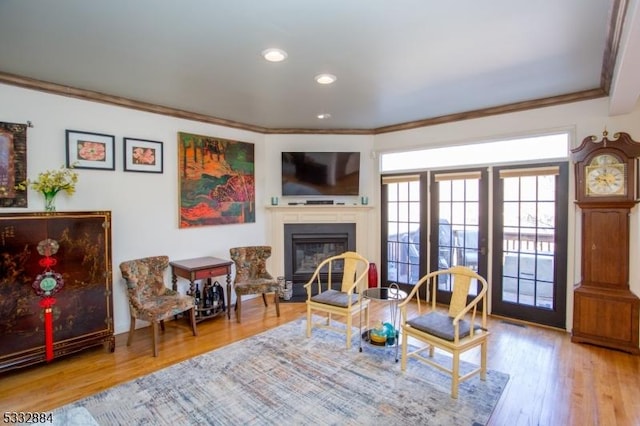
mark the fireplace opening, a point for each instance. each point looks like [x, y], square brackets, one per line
[306, 245]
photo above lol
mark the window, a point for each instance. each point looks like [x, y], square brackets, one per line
[544, 147]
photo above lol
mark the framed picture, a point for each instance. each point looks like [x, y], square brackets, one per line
[142, 156]
[90, 150]
[216, 180]
[13, 164]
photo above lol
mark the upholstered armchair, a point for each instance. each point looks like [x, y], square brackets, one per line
[338, 297]
[460, 328]
[149, 299]
[252, 276]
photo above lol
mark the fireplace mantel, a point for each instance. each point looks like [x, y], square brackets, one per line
[281, 215]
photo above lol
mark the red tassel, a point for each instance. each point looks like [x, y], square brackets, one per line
[47, 303]
[48, 334]
[373, 275]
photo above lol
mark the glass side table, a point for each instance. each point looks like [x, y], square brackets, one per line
[392, 295]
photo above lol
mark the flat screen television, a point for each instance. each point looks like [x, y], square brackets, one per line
[320, 173]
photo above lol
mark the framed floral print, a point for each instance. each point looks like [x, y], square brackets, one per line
[87, 150]
[141, 155]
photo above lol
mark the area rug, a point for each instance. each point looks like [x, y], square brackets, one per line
[280, 377]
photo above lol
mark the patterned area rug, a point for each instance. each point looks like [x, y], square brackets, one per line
[280, 377]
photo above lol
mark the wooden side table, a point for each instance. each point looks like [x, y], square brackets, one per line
[202, 268]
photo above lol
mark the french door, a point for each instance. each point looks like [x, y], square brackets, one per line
[434, 220]
[530, 243]
[404, 236]
[459, 224]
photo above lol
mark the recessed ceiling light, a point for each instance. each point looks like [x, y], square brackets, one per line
[325, 78]
[274, 55]
[324, 116]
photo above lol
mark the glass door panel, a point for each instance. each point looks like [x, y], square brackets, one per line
[401, 231]
[529, 267]
[460, 218]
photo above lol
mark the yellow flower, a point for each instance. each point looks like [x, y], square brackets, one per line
[62, 179]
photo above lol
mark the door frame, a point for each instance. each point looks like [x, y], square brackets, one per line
[557, 316]
[384, 234]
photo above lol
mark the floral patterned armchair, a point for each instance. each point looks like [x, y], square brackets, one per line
[149, 298]
[252, 276]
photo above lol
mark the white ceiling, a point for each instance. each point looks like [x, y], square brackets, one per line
[397, 62]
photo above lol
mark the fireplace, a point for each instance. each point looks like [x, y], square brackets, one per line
[308, 244]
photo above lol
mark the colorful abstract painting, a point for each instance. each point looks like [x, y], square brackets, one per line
[217, 185]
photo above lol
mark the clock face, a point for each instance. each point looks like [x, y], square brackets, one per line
[606, 176]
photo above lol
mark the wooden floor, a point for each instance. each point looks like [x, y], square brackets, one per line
[552, 381]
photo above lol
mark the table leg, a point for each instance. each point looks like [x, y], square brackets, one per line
[393, 307]
[360, 325]
[229, 296]
[174, 280]
[395, 325]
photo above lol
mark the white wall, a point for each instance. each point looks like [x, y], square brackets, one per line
[144, 206]
[582, 119]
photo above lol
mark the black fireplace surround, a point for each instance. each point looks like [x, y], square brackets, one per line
[308, 244]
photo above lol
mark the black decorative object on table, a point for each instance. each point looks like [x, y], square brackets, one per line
[206, 299]
[209, 300]
[213, 301]
[198, 297]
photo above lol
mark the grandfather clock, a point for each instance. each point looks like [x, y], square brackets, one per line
[605, 311]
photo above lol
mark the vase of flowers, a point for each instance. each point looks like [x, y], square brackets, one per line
[50, 183]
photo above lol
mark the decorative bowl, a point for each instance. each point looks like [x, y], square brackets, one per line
[378, 336]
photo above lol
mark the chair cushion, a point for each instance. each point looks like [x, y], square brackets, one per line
[163, 307]
[256, 286]
[441, 325]
[335, 298]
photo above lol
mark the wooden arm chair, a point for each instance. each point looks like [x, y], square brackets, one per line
[149, 298]
[456, 331]
[252, 276]
[345, 300]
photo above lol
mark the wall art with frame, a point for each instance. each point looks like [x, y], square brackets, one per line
[13, 164]
[142, 155]
[86, 150]
[216, 181]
